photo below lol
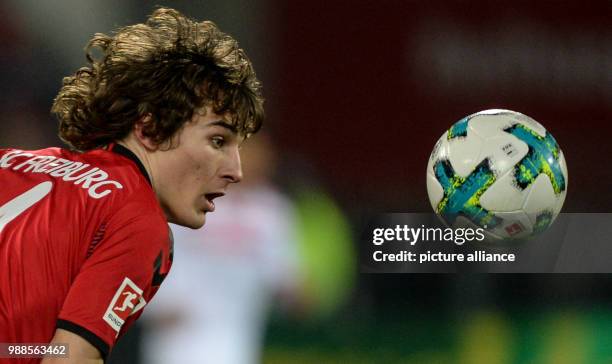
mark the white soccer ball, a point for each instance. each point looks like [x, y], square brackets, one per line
[499, 170]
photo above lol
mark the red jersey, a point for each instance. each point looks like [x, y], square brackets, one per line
[84, 244]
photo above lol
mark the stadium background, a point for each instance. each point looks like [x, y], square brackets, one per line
[357, 94]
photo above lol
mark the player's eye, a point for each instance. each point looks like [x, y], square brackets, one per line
[218, 141]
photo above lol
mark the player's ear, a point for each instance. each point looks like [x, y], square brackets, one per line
[139, 128]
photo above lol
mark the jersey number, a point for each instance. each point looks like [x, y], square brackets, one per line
[19, 204]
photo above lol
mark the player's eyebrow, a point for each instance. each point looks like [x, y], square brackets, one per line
[224, 124]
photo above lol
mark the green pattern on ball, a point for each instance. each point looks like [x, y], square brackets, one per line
[542, 157]
[462, 195]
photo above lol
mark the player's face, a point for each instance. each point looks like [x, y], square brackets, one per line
[199, 169]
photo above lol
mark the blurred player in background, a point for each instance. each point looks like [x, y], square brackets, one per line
[214, 306]
[154, 124]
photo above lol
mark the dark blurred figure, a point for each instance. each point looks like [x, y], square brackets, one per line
[214, 306]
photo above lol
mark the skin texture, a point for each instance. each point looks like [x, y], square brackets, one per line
[80, 351]
[203, 159]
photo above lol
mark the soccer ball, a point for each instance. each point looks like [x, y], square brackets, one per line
[499, 170]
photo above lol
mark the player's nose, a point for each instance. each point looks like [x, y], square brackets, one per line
[232, 171]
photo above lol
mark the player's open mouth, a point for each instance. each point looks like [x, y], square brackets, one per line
[209, 199]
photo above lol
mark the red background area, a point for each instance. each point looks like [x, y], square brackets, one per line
[362, 97]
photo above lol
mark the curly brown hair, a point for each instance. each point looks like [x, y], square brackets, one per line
[167, 68]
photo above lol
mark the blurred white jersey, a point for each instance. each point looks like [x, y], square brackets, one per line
[223, 280]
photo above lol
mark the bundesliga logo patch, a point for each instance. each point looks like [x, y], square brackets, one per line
[127, 301]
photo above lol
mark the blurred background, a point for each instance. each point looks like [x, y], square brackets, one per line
[357, 94]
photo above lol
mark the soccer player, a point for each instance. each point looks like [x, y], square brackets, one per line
[155, 124]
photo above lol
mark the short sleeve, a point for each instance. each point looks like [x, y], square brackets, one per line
[119, 277]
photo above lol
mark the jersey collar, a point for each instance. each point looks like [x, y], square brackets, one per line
[121, 150]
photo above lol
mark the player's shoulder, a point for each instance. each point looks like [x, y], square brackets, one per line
[121, 164]
[15, 152]
[136, 200]
[113, 175]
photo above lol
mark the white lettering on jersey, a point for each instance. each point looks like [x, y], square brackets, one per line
[19, 204]
[4, 162]
[95, 194]
[69, 171]
[34, 162]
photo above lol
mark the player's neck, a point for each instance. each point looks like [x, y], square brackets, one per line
[140, 152]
